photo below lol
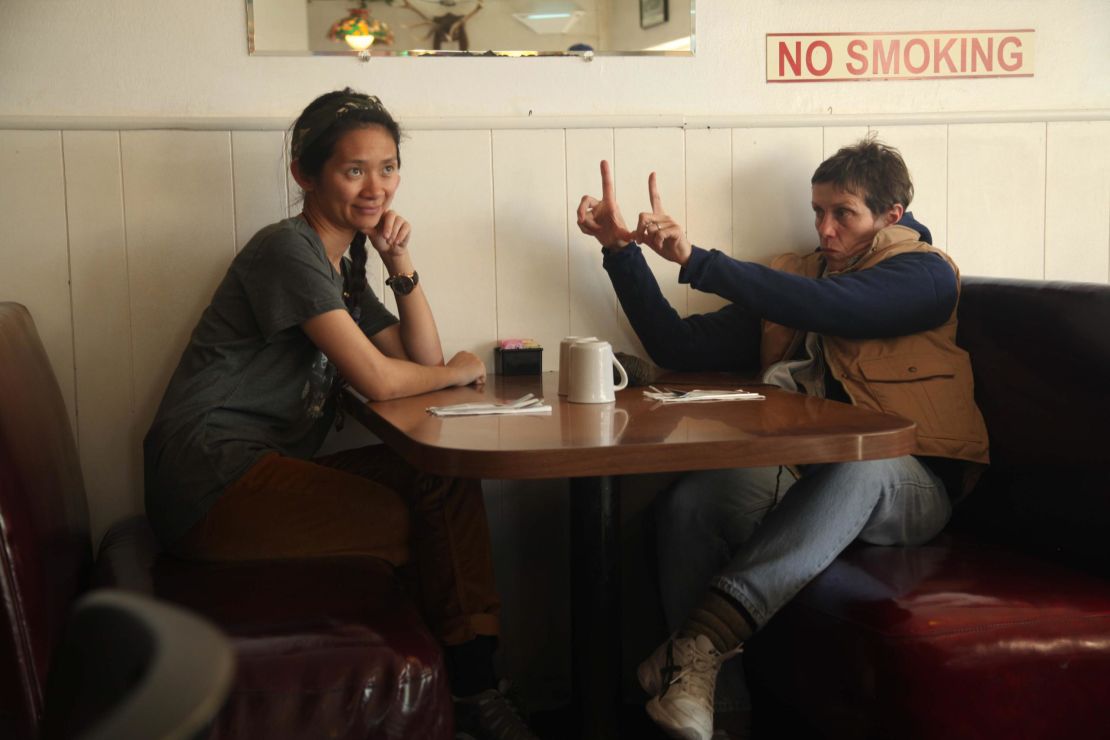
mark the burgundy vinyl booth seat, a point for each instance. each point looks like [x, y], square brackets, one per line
[324, 648]
[999, 628]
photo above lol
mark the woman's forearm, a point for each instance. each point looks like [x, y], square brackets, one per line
[372, 373]
[419, 334]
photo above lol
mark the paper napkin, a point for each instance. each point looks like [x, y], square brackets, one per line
[697, 396]
[528, 404]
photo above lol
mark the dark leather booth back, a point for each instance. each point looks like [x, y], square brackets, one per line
[1041, 405]
[45, 551]
[1041, 356]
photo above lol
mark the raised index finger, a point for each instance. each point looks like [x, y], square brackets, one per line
[653, 193]
[607, 193]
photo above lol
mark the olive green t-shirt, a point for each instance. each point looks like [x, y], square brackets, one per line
[250, 381]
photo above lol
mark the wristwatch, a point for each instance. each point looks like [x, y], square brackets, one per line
[404, 283]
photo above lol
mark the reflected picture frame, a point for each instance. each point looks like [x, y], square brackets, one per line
[653, 13]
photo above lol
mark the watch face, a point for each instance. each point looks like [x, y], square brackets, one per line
[401, 284]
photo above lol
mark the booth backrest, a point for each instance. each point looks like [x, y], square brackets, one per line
[1041, 357]
[45, 551]
[1042, 406]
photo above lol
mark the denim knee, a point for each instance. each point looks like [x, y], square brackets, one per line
[913, 505]
[726, 504]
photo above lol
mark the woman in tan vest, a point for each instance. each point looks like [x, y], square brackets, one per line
[867, 318]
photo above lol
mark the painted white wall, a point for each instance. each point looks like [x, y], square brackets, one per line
[141, 58]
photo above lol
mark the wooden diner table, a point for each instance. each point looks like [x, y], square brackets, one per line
[592, 445]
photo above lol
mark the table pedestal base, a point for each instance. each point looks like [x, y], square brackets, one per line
[595, 605]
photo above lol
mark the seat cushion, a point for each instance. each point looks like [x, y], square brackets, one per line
[325, 647]
[955, 639]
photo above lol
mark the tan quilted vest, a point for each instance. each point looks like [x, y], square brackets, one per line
[923, 377]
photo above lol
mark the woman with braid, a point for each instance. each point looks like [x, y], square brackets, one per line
[230, 467]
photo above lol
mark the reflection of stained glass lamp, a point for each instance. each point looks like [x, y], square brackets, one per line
[359, 30]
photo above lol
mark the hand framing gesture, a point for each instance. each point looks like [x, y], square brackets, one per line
[661, 232]
[602, 220]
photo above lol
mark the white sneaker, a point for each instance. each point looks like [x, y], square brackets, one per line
[681, 677]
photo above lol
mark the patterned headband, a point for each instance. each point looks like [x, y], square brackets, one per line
[321, 119]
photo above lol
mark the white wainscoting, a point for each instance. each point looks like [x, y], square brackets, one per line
[115, 240]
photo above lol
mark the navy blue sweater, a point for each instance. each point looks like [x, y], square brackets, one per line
[902, 295]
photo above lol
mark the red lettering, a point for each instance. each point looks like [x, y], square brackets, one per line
[885, 65]
[978, 53]
[1015, 58]
[853, 51]
[939, 53]
[828, 59]
[934, 54]
[917, 68]
[794, 61]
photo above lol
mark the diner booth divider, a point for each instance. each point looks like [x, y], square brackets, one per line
[122, 234]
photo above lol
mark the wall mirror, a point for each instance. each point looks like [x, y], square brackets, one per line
[470, 27]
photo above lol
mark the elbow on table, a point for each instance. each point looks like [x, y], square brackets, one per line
[381, 389]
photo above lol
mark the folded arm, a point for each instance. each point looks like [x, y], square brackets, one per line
[377, 375]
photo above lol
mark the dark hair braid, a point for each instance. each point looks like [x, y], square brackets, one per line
[354, 280]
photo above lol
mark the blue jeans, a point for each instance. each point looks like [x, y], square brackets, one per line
[760, 536]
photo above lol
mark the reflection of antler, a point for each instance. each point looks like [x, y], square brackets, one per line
[446, 27]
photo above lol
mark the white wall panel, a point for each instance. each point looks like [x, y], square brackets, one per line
[996, 198]
[925, 150]
[33, 247]
[708, 201]
[835, 137]
[258, 167]
[180, 225]
[102, 326]
[771, 195]
[593, 305]
[446, 193]
[1077, 202]
[530, 213]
